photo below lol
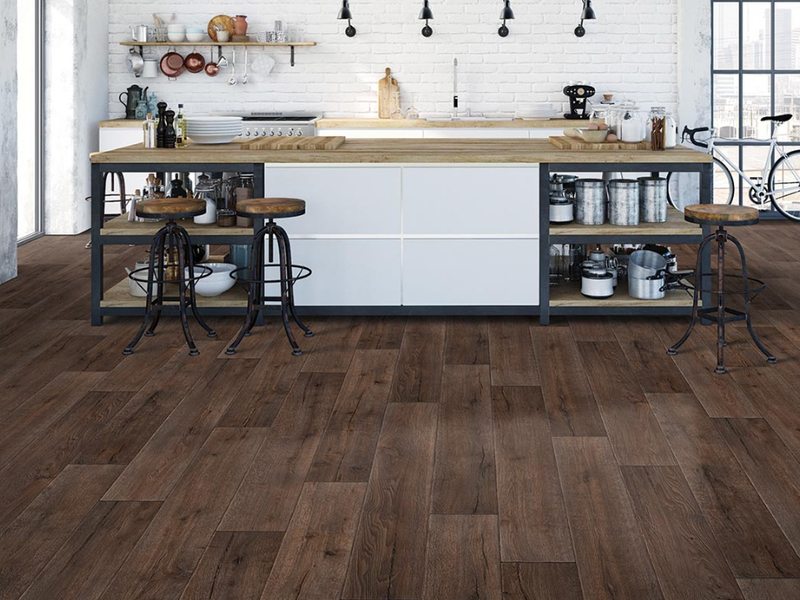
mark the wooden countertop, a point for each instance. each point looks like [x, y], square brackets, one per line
[417, 151]
[358, 123]
[347, 123]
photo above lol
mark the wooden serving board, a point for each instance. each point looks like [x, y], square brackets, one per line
[295, 143]
[563, 142]
[388, 95]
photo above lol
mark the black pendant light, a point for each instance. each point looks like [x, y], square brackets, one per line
[506, 15]
[587, 14]
[345, 14]
[426, 14]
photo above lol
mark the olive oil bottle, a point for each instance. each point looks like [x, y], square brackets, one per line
[180, 128]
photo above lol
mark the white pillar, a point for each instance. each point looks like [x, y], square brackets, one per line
[8, 141]
[694, 63]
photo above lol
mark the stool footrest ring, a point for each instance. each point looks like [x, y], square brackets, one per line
[303, 272]
[207, 272]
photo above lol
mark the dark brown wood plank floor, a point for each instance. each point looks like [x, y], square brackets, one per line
[399, 458]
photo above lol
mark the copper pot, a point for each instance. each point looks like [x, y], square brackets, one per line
[172, 64]
[195, 62]
[212, 69]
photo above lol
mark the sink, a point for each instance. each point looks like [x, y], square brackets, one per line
[454, 119]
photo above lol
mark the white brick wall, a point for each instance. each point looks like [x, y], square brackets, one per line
[631, 51]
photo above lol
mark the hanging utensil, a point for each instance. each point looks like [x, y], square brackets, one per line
[232, 80]
[172, 64]
[195, 62]
[212, 68]
[244, 78]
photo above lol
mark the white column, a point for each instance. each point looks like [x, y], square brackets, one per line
[8, 142]
[694, 63]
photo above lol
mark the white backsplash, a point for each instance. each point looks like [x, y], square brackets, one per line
[631, 51]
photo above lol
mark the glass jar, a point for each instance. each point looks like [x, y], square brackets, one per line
[207, 191]
[657, 128]
[245, 190]
[632, 125]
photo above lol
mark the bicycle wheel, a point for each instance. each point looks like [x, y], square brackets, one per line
[784, 185]
[683, 189]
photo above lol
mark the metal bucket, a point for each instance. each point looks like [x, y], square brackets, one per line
[590, 201]
[653, 199]
[623, 202]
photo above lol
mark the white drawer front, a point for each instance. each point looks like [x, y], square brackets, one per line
[542, 133]
[348, 272]
[340, 200]
[471, 273]
[373, 133]
[464, 200]
[476, 133]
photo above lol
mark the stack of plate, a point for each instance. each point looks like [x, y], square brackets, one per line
[539, 111]
[213, 130]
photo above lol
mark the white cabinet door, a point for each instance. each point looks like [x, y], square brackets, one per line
[410, 133]
[471, 200]
[475, 133]
[112, 138]
[542, 133]
[348, 272]
[471, 272]
[340, 200]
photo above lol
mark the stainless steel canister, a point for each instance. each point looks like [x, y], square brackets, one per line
[623, 202]
[591, 201]
[653, 199]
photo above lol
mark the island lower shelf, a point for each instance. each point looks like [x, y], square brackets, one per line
[566, 299]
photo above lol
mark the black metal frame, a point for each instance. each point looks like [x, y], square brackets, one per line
[740, 73]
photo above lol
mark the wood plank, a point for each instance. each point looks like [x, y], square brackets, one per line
[686, 557]
[610, 551]
[136, 370]
[347, 449]
[591, 329]
[29, 543]
[770, 467]
[90, 558]
[464, 480]
[463, 559]
[121, 439]
[770, 589]
[301, 143]
[418, 376]
[163, 561]
[674, 225]
[571, 408]
[165, 457]
[533, 521]
[312, 562]
[40, 462]
[563, 142]
[541, 581]
[32, 419]
[334, 351]
[513, 361]
[389, 551]
[274, 481]
[467, 341]
[749, 537]
[654, 370]
[382, 333]
[632, 429]
[235, 565]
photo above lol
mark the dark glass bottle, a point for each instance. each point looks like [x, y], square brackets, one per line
[177, 191]
[161, 128]
[170, 138]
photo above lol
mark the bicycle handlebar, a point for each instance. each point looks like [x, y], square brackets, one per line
[691, 133]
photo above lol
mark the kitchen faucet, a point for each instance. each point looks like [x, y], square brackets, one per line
[455, 88]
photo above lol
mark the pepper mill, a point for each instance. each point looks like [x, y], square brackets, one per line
[161, 128]
[170, 137]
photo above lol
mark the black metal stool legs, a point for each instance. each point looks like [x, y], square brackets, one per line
[290, 267]
[696, 296]
[285, 278]
[770, 358]
[255, 295]
[158, 243]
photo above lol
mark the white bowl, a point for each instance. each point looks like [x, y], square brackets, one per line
[219, 282]
[176, 37]
[176, 27]
[195, 37]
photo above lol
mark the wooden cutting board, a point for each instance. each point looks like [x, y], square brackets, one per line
[295, 143]
[563, 142]
[388, 95]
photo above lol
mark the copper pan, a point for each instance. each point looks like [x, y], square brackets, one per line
[172, 64]
[194, 62]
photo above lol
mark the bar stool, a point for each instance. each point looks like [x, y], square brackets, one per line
[722, 216]
[271, 209]
[172, 239]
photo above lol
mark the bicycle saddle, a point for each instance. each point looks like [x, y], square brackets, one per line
[778, 118]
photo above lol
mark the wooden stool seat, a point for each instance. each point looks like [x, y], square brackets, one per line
[170, 208]
[720, 214]
[271, 208]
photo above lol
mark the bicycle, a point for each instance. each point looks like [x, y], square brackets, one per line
[779, 183]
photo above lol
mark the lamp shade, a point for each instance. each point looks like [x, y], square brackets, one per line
[426, 12]
[345, 13]
[588, 11]
[507, 13]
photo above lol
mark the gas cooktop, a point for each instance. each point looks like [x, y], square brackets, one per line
[275, 124]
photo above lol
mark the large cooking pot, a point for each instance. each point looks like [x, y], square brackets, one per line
[172, 64]
[649, 288]
[645, 263]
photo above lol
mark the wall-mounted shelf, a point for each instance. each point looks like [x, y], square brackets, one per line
[291, 45]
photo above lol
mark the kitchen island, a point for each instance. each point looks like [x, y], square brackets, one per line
[410, 226]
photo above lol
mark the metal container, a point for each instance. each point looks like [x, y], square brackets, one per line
[653, 199]
[644, 264]
[590, 201]
[597, 283]
[623, 202]
[650, 288]
[561, 209]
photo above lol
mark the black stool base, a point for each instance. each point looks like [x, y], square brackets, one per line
[721, 314]
[170, 237]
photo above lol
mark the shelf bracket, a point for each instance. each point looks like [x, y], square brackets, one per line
[292, 54]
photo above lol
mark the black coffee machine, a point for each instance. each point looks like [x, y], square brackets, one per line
[578, 96]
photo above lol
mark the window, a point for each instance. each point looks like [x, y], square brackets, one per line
[756, 72]
[29, 119]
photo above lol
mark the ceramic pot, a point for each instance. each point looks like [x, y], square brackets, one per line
[240, 25]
